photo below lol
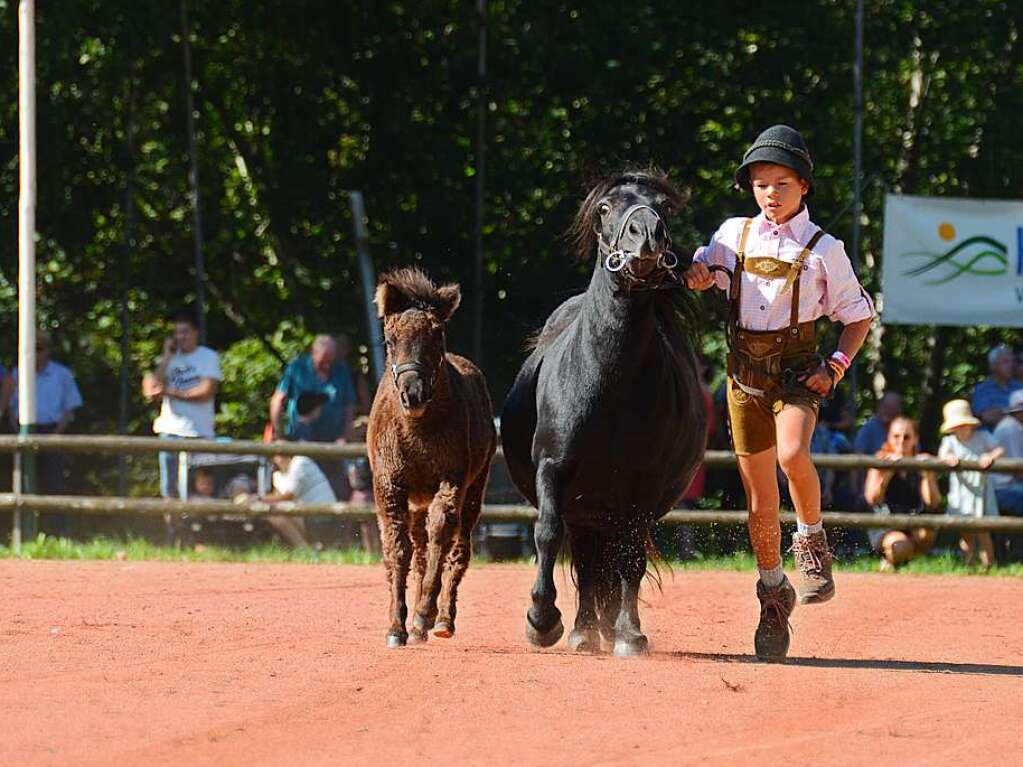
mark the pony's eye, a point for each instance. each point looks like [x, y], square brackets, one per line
[603, 209]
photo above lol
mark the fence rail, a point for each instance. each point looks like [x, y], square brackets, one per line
[91, 505]
[110, 444]
[74, 443]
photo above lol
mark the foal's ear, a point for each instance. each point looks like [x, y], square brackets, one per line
[389, 300]
[448, 298]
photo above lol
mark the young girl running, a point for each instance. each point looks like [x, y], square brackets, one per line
[785, 273]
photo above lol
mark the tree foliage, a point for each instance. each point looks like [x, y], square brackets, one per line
[297, 102]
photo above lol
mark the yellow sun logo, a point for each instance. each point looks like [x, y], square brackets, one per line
[946, 231]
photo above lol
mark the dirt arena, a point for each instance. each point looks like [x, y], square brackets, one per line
[105, 663]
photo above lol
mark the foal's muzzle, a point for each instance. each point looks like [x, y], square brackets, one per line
[414, 384]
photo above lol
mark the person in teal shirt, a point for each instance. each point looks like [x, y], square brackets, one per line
[319, 372]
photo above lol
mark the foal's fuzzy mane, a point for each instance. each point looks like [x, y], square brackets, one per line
[419, 290]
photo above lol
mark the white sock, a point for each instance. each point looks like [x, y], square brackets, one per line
[772, 578]
[806, 529]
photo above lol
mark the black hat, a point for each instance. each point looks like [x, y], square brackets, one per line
[780, 145]
[308, 401]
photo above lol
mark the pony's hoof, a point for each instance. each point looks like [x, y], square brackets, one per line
[587, 640]
[396, 640]
[443, 629]
[415, 636]
[544, 638]
[631, 647]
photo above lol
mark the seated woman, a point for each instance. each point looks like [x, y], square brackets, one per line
[890, 491]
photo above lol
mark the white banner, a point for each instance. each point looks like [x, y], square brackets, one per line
[950, 261]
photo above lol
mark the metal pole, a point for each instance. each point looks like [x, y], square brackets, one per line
[857, 138]
[24, 464]
[126, 250]
[361, 233]
[193, 179]
[481, 166]
[857, 169]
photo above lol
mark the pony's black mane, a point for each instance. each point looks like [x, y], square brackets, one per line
[677, 311]
[581, 233]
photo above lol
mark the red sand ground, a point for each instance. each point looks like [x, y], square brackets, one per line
[148, 663]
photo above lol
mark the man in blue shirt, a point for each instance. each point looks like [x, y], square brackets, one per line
[57, 398]
[991, 396]
[318, 372]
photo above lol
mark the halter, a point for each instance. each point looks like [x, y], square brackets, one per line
[409, 367]
[618, 258]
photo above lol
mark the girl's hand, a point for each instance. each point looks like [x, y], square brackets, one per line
[987, 459]
[698, 277]
[952, 460]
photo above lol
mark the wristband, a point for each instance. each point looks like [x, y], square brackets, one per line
[836, 370]
[842, 359]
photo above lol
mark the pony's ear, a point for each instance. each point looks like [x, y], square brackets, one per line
[389, 300]
[448, 298]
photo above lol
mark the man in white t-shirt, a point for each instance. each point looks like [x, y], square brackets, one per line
[185, 380]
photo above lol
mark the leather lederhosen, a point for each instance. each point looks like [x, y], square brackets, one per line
[758, 359]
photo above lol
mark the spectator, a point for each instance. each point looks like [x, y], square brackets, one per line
[970, 493]
[205, 484]
[298, 479]
[57, 399]
[890, 491]
[317, 371]
[1009, 487]
[185, 380]
[1018, 370]
[991, 396]
[872, 435]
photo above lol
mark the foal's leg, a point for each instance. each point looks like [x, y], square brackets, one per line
[420, 541]
[585, 637]
[441, 521]
[458, 559]
[629, 638]
[543, 619]
[392, 518]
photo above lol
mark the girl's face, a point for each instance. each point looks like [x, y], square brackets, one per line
[963, 433]
[778, 190]
[902, 436]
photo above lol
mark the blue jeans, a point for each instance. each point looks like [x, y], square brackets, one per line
[169, 470]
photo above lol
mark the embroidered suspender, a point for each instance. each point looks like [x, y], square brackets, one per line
[792, 279]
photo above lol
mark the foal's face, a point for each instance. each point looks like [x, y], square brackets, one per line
[644, 233]
[414, 337]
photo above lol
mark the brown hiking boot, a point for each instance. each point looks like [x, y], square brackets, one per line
[813, 563]
[772, 638]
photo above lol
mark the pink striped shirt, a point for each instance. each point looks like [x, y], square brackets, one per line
[828, 284]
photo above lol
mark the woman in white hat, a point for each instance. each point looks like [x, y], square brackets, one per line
[970, 493]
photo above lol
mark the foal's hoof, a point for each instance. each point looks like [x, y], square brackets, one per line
[630, 647]
[586, 640]
[544, 638]
[396, 640]
[417, 635]
[443, 629]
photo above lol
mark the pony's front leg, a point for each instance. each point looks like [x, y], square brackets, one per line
[392, 518]
[543, 619]
[629, 637]
[458, 559]
[441, 522]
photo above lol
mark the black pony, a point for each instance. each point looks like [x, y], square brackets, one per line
[605, 424]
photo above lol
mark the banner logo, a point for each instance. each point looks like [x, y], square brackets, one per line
[978, 256]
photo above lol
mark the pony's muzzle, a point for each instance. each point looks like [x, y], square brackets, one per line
[413, 392]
